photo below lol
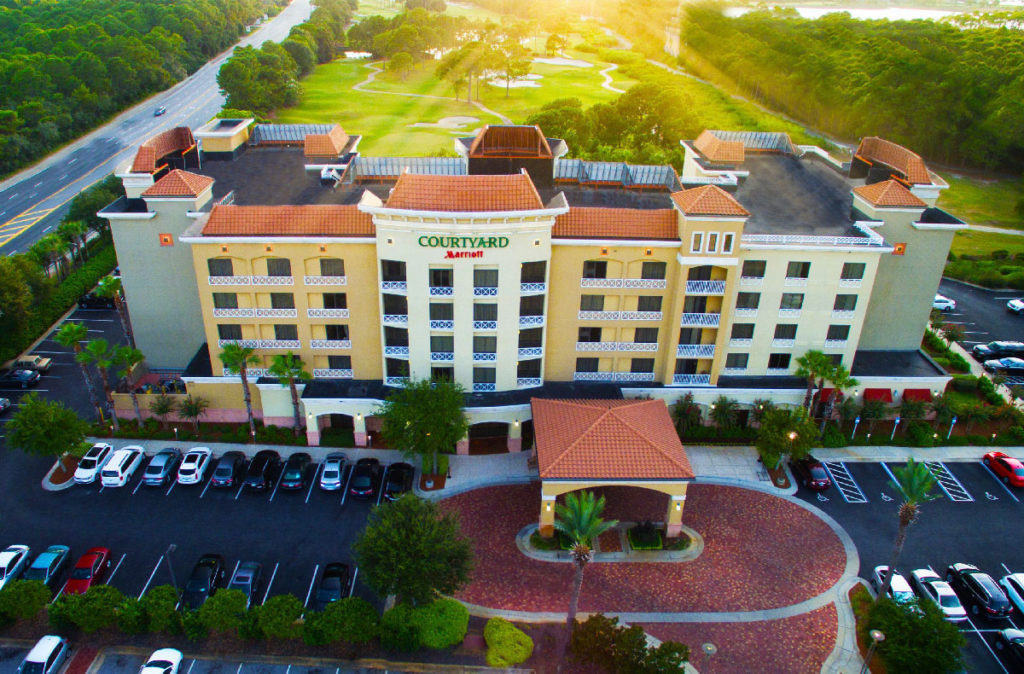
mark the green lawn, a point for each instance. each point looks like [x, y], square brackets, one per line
[969, 242]
[980, 201]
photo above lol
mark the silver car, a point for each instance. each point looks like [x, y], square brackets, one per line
[334, 470]
[161, 467]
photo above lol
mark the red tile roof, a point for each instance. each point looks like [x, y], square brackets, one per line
[318, 220]
[616, 223]
[889, 193]
[328, 144]
[708, 200]
[179, 183]
[149, 153]
[874, 149]
[727, 151]
[510, 141]
[607, 440]
[416, 192]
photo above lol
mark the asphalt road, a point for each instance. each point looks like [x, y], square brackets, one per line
[33, 200]
[983, 313]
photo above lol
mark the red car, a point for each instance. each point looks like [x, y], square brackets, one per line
[1006, 468]
[90, 570]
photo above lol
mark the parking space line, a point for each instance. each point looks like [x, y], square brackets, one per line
[355, 574]
[844, 482]
[245, 473]
[380, 486]
[980, 636]
[312, 482]
[892, 477]
[948, 482]
[279, 478]
[208, 483]
[239, 667]
[312, 581]
[150, 579]
[234, 571]
[111, 576]
[271, 582]
[344, 493]
[996, 478]
[59, 593]
[173, 482]
[134, 491]
[1005, 568]
[190, 666]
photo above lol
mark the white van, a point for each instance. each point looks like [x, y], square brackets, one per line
[122, 465]
[46, 657]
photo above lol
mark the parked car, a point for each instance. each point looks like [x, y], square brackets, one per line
[246, 579]
[1006, 468]
[91, 300]
[46, 657]
[899, 589]
[335, 583]
[90, 569]
[1013, 586]
[92, 463]
[295, 470]
[159, 111]
[13, 561]
[1011, 642]
[931, 587]
[230, 467]
[207, 575]
[1010, 366]
[163, 661]
[161, 467]
[943, 303]
[194, 466]
[996, 350]
[399, 481]
[979, 590]
[334, 468]
[48, 566]
[121, 466]
[365, 477]
[1016, 306]
[19, 379]
[263, 470]
[811, 473]
[33, 362]
[5, 404]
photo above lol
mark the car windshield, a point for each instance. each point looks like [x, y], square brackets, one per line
[159, 664]
[108, 472]
[35, 573]
[361, 481]
[327, 594]
[818, 473]
[82, 574]
[242, 585]
[223, 471]
[196, 585]
[154, 470]
[292, 474]
[32, 668]
[1019, 472]
[330, 475]
[949, 601]
[903, 597]
[87, 463]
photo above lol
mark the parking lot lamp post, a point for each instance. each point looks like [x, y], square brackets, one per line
[951, 424]
[856, 422]
[175, 433]
[876, 638]
[170, 567]
[894, 427]
[708, 649]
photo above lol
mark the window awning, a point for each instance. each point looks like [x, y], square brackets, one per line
[880, 394]
[826, 394]
[921, 394]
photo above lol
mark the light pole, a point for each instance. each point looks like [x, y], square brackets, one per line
[856, 422]
[894, 426]
[951, 425]
[170, 567]
[876, 638]
[709, 649]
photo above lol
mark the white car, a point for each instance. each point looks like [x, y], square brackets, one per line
[899, 589]
[931, 587]
[334, 468]
[13, 561]
[943, 303]
[1013, 585]
[92, 463]
[163, 661]
[121, 465]
[46, 657]
[1016, 306]
[193, 467]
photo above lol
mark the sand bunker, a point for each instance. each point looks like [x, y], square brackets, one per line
[560, 61]
[527, 81]
[456, 122]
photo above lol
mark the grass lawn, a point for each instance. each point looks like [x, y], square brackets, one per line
[969, 242]
[980, 201]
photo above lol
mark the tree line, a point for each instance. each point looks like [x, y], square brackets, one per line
[68, 65]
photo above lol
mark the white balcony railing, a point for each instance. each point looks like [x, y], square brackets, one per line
[640, 316]
[442, 325]
[485, 291]
[273, 280]
[484, 387]
[650, 283]
[843, 315]
[746, 312]
[835, 343]
[396, 381]
[777, 371]
[442, 356]
[789, 313]
[396, 351]
[229, 280]
[795, 282]
[331, 373]
[634, 376]
[529, 382]
[234, 313]
[396, 319]
[325, 280]
[700, 320]
[485, 325]
[530, 352]
[691, 380]
[533, 288]
[638, 346]
[530, 321]
[741, 341]
[244, 343]
[330, 344]
[600, 283]
[751, 281]
[705, 287]
[597, 346]
[483, 357]
[279, 344]
[441, 291]
[613, 376]
[393, 287]
[695, 351]
[850, 282]
[326, 313]
[598, 315]
[784, 343]
[255, 372]
[265, 312]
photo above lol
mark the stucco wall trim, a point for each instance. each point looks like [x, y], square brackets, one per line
[225, 240]
[707, 259]
[616, 242]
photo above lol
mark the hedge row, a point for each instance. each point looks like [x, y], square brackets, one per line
[998, 270]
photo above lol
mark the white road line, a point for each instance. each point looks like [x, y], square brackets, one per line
[208, 483]
[111, 576]
[150, 579]
[46, 229]
[886, 469]
[355, 574]
[100, 331]
[380, 487]
[233, 572]
[59, 353]
[344, 493]
[240, 488]
[59, 593]
[91, 320]
[191, 665]
[272, 576]
[279, 478]
[1006, 568]
[994, 656]
[239, 667]
[312, 581]
[316, 473]
[173, 482]
[996, 478]
[136, 488]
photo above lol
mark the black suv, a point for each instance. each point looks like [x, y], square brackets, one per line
[399, 481]
[263, 470]
[91, 300]
[229, 466]
[994, 350]
[979, 590]
[365, 477]
[207, 576]
[295, 470]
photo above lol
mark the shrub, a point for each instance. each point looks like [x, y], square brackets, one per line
[964, 383]
[987, 390]
[507, 645]
[278, 617]
[131, 618]
[249, 627]
[356, 619]
[159, 605]
[442, 623]
[223, 611]
[24, 599]
[833, 437]
[61, 612]
[1014, 435]
[600, 641]
[193, 627]
[317, 631]
[958, 362]
[645, 536]
[924, 643]
[398, 631]
[98, 608]
[920, 434]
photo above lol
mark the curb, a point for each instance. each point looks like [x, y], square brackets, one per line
[845, 658]
[53, 486]
[975, 285]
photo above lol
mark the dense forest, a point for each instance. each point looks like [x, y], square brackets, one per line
[952, 94]
[68, 65]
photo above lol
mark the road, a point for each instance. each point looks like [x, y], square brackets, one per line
[983, 313]
[33, 201]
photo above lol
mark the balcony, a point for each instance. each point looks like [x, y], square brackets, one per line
[393, 287]
[530, 352]
[325, 280]
[326, 313]
[442, 356]
[614, 376]
[617, 346]
[234, 313]
[483, 357]
[751, 281]
[396, 381]
[640, 316]
[648, 283]
[850, 282]
[777, 371]
[533, 288]
[229, 280]
[256, 372]
[843, 315]
[397, 351]
[396, 319]
[835, 343]
[484, 291]
[691, 380]
[700, 320]
[484, 387]
[741, 341]
[244, 343]
[789, 313]
[784, 343]
[273, 280]
[795, 281]
[262, 312]
[746, 312]
[600, 283]
[330, 344]
[695, 351]
[705, 287]
[328, 373]
[441, 291]
[529, 382]
[442, 325]
[638, 346]
[277, 343]
[530, 321]
[598, 315]
[734, 370]
[634, 376]
[485, 325]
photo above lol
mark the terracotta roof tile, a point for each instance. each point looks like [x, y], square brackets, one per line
[616, 223]
[910, 164]
[179, 183]
[708, 200]
[717, 150]
[464, 193]
[607, 440]
[160, 145]
[316, 220]
[889, 193]
[328, 144]
[510, 141]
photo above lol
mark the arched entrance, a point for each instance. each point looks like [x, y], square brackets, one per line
[337, 430]
[527, 443]
[488, 438]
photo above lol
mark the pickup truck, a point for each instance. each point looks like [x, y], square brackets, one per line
[33, 362]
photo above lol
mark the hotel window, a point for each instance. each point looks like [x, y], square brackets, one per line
[653, 270]
[686, 366]
[286, 331]
[648, 303]
[690, 335]
[332, 266]
[229, 331]
[530, 338]
[753, 268]
[838, 332]
[712, 242]
[641, 365]
[220, 266]
[484, 375]
[396, 305]
[845, 303]
[645, 335]
[701, 273]
[441, 311]
[737, 361]
[394, 367]
[747, 300]
[339, 362]
[785, 331]
[225, 301]
[528, 369]
[485, 344]
[533, 272]
[852, 271]
[282, 301]
[696, 241]
[589, 335]
[586, 364]
[695, 304]
[395, 336]
[335, 301]
[742, 331]
[798, 270]
[531, 306]
[279, 266]
[442, 374]
[591, 302]
[792, 301]
[485, 278]
[442, 343]
[485, 312]
[595, 269]
[778, 361]
[727, 240]
[836, 358]
[441, 278]
[337, 332]
[392, 270]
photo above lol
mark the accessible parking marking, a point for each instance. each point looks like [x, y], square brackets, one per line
[996, 478]
[948, 482]
[844, 482]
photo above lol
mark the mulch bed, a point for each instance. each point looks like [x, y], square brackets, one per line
[82, 660]
[779, 477]
[438, 481]
[66, 471]
[860, 600]
[610, 541]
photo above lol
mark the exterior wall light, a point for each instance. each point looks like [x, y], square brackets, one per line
[679, 506]
[547, 507]
[517, 422]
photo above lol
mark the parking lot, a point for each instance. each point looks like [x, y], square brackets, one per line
[975, 519]
[983, 314]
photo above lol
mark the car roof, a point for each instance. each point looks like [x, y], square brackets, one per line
[899, 583]
[43, 648]
[6, 557]
[924, 574]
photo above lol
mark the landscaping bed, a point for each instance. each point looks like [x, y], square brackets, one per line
[610, 541]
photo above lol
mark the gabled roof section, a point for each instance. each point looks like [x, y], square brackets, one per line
[330, 144]
[159, 146]
[285, 134]
[179, 183]
[510, 141]
[758, 141]
[514, 192]
[889, 193]
[617, 223]
[708, 200]
[718, 150]
[607, 440]
[314, 220]
[874, 149]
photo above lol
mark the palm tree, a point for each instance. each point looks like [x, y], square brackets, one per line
[238, 358]
[74, 232]
[287, 368]
[128, 357]
[815, 367]
[944, 409]
[71, 336]
[50, 249]
[98, 353]
[193, 408]
[161, 406]
[841, 380]
[580, 520]
[723, 412]
[872, 411]
[915, 482]
[111, 287]
[972, 414]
